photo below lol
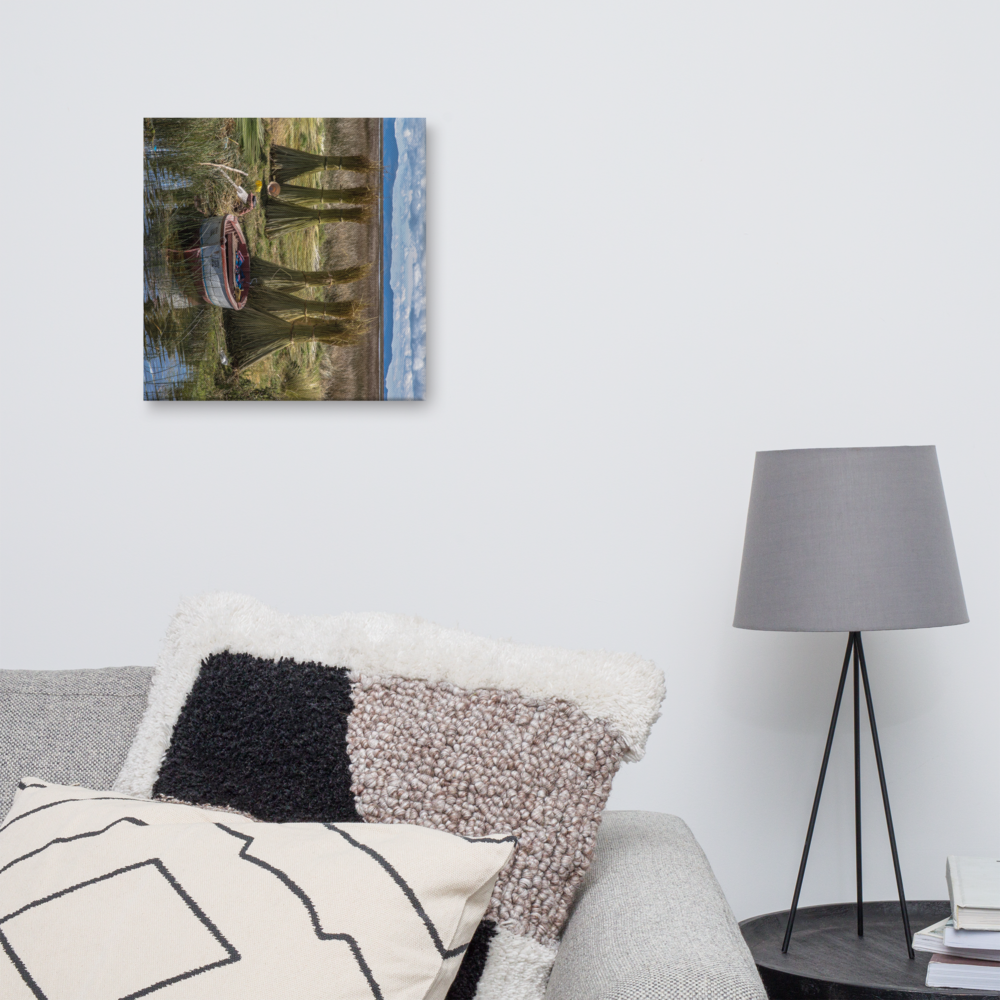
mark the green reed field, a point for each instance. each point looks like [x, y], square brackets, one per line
[184, 339]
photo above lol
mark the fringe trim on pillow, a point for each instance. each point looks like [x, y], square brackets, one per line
[517, 968]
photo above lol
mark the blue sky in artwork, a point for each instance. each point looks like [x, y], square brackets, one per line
[406, 352]
[390, 160]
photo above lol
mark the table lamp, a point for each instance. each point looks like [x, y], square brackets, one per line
[849, 540]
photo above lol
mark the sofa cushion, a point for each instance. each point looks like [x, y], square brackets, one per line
[73, 727]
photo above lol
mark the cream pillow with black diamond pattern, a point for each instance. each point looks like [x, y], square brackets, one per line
[105, 897]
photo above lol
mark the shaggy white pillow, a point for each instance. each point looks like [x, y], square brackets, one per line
[104, 897]
[393, 719]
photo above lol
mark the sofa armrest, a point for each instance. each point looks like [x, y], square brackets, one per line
[650, 921]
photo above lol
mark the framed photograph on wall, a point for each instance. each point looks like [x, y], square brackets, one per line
[284, 258]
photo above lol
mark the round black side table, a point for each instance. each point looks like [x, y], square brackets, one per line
[827, 959]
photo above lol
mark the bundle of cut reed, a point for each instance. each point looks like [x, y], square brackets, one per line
[266, 272]
[287, 163]
[323, 196]
[285, 218]
[273, 301]
[250, 134]
[253, 334]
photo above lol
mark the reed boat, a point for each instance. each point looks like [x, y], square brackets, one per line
[221, 262]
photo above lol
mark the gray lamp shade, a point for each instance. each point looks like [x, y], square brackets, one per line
[848, 539]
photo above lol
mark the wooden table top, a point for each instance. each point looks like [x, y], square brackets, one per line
[827, 959]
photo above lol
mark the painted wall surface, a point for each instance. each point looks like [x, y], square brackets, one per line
[661, 237]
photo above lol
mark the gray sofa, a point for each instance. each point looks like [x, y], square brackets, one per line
[650, 920]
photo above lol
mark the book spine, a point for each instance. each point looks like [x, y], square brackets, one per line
[950, 879]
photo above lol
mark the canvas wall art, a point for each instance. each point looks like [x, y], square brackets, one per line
[284, 258]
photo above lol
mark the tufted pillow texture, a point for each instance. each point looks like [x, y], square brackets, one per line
[387, 719]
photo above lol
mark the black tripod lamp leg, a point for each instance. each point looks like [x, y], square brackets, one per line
[857, 783]
[885, 800]
[819, 792]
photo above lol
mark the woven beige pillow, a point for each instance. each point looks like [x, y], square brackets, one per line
[104, 897]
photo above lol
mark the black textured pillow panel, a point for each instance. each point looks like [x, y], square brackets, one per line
[264, 737]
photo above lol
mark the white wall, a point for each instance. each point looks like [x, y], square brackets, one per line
[661, 237]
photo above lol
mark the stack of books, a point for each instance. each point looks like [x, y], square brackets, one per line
[965, 947]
